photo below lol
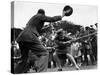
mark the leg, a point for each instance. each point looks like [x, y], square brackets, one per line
[56, 58]
[50, 60]
[72, 60]
[85, 57]
[42, 63]
[54, 63]
[39, 50]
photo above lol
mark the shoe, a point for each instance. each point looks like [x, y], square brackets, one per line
[59, 69]
[77, 68]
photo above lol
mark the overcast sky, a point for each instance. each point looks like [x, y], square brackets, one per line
[82, 14]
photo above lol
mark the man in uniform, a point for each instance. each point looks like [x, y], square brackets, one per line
[28, 40]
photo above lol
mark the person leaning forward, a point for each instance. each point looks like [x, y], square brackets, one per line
[28, 40]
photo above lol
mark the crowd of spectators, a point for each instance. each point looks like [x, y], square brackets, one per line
[83, 48]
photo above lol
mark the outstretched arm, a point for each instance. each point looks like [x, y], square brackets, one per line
[51, 19]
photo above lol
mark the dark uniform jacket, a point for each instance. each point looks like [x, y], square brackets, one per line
[34, 26]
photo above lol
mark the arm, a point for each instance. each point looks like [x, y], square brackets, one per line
[51, 19]
[59, 42]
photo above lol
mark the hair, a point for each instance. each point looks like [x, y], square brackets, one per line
[91, 25]
[87, 28]
[41, 11]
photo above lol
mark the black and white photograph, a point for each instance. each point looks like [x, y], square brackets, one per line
[53, 37]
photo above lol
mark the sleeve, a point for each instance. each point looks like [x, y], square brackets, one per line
[51, 19]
